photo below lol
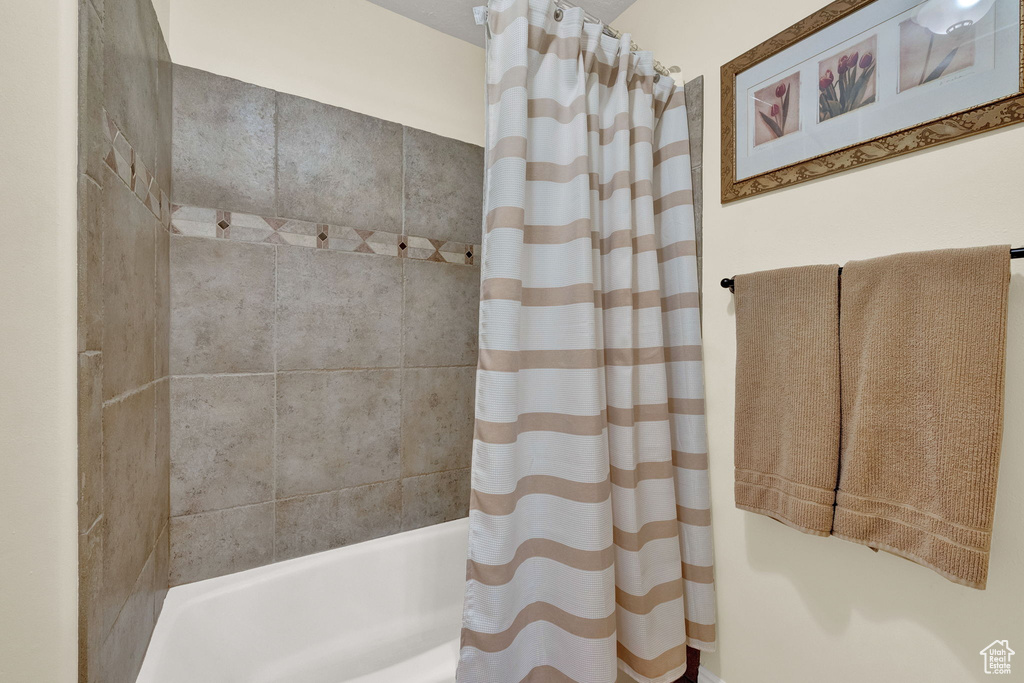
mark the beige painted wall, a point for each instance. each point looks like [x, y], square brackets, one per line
[804, 609]
[349, 53]
[38, 463]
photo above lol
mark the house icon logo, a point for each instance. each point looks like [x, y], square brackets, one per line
[997, 657]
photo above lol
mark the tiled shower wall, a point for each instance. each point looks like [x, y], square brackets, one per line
[694, 92]
[324, 295]
[124, 185]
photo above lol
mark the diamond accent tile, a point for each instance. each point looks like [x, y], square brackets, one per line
[120, 157]
[342, 244]
[308, 241]
[194, 228]
[420, 243]
[247, 234]
[298, 228]
[188, 213]
[343, 233]
[219, 224]
[247, 220]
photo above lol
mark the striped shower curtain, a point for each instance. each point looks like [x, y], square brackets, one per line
[590, 541]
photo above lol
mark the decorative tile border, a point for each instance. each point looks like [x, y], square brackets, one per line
[244, 227]
[122, 160]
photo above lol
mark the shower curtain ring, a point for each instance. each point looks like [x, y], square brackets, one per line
[559, 13]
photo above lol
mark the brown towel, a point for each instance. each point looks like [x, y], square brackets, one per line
[923, 339]
[787, 395]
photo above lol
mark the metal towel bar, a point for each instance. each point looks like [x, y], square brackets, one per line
[730, 283]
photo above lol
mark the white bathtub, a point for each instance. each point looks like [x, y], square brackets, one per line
[382, 611]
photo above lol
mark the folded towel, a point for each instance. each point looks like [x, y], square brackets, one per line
[923, 340]
[787, 395]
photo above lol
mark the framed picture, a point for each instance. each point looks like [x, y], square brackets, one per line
[866, 80]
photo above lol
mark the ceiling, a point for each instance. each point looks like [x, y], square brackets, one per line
[455, 17]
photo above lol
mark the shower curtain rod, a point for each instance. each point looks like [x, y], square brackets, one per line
[616, 33]
[730, 283]
[562, 5]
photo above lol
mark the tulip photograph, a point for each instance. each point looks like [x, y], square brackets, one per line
[846, 80]
[930, 51]
[777, 110]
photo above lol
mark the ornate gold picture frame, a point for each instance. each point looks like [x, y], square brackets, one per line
[996, 113]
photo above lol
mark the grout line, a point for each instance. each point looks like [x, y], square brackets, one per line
[203, 375]
[321, 493]
[132, 392]
[151, 555]
[401, 346]
[341, 490]
[95, 9]
[210, 375]
[92, 526]
[91, 179]
[226, 509]
[277, 156]
[384, 367]
[156, 307]
[432, 474]
[401, 382]
[273, 484]
[405, 130]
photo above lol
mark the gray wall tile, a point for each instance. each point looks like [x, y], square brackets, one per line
[162, 569]
[90, 619]
[129, 237]
[336, 430]
[700, 280]
[437, 419]
[222, 442]
[130, 496]
[131, 85]
[123, 277]
[311, 524]
[90, 264]
[434, 498]
[344, 435]
[162, 305]
[90, 439]
[441, 314]
[222, 306]
[693, 92]
[338, 310]
[698, 207]
[217, 543]
[92, 143]
[224, 148]
[162, 448]
[125, 646]
[443, 187]
[164, 117]
[337, 166]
